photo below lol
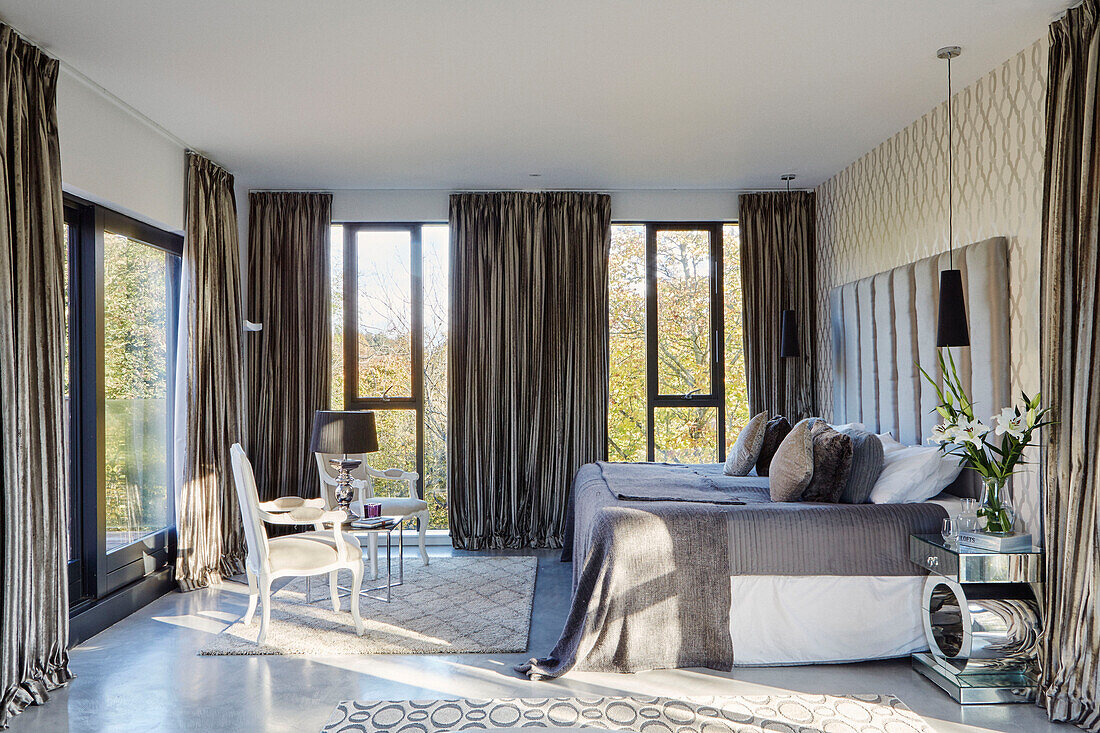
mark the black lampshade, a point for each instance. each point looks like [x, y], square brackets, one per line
[344, 432]
[952, 329]
[788, 335]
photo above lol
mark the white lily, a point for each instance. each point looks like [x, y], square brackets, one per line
[943, 434]
[971, 431]
[1009, 422]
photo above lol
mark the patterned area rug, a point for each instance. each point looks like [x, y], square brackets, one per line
[788, 713]
[455, 605]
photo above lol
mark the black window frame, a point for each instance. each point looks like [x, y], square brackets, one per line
[716, 397]
[415, 401]
[96, 572]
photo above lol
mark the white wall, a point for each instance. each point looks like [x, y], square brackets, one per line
[111, 156]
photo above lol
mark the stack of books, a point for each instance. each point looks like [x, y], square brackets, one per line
[373, 523]
[978, 540]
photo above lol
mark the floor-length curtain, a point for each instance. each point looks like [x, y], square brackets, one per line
[34, 492]
[1070, 316]
[777, 274]
[289, 295]
[211, 536]
[528, 358]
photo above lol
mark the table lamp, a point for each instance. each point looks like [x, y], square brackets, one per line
[344, 432]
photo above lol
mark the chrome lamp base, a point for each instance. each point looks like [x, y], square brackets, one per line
[344, 466]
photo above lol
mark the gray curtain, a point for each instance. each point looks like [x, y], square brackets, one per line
[211, 536]
[34, 493]
[777, 273]
[528, 355]
[1070, 317]
[289, 293]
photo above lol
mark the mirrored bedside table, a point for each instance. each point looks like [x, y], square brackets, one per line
[981, 620]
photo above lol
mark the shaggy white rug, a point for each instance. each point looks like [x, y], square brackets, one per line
[455, 605]
[789, 713]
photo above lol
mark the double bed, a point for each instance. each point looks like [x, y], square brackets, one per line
[682, 566]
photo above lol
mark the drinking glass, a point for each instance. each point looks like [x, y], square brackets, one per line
[966, 522]
[949, 531]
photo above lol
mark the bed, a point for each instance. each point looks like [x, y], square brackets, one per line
[681, 566]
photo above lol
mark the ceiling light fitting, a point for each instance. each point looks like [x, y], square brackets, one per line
[951, 327]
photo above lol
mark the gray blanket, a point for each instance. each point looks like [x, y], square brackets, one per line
[644, 595]
[651, 575]
[680, 482]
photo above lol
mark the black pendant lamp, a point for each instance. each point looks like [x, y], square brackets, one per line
[788, 324]
[951, 328]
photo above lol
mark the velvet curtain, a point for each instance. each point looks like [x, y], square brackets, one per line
[34, 489]
[528, 360]
[211, 536]
[289, 294]
[1070, 316]
[777, 273]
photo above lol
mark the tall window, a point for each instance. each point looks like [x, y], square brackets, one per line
[138, 309]
[389, 289]
[677, 376]
[122, 296]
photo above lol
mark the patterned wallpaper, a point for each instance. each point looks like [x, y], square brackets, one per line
[890, 207]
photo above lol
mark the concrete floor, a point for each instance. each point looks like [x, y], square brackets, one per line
[143, 675]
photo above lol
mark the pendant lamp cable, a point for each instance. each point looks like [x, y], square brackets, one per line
[950, 175]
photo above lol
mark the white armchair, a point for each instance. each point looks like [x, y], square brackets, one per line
[308, 553]
[363, 477]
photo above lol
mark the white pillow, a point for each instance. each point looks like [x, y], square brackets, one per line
[912, 474]
[849, 426]
[888, 442]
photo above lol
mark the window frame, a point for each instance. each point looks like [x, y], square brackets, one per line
[101, 572]
[415, 402]
[716, 398]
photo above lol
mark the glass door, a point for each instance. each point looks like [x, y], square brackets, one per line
[139, 300]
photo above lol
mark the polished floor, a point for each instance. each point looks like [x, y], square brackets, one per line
[143, 674]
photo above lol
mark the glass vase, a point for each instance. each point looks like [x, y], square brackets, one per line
[996, 514]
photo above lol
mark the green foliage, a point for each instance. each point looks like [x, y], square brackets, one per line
[683, 345]
[135, 372]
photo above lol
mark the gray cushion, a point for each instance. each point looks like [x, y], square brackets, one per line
[832, 463]
[867, 461]
[792, 466]
[743, 454]
[774, 433]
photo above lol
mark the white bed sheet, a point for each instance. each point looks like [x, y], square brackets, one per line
[818, 619]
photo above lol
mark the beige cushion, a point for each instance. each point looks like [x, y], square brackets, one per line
[743, 454]
[792, 467]
[393, 507]
[308, 550]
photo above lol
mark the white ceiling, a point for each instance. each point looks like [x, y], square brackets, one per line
[603, 94]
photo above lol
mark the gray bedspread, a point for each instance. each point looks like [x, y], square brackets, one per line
[651, 573]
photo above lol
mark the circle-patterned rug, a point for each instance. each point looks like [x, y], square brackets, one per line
[455, 605]
[784, 713]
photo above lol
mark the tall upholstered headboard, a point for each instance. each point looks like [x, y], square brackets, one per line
[884, 325]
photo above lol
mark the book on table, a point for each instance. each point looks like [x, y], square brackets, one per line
[374, 523]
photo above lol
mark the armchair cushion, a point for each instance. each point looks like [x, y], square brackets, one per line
[393, 507]
[308, 550]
